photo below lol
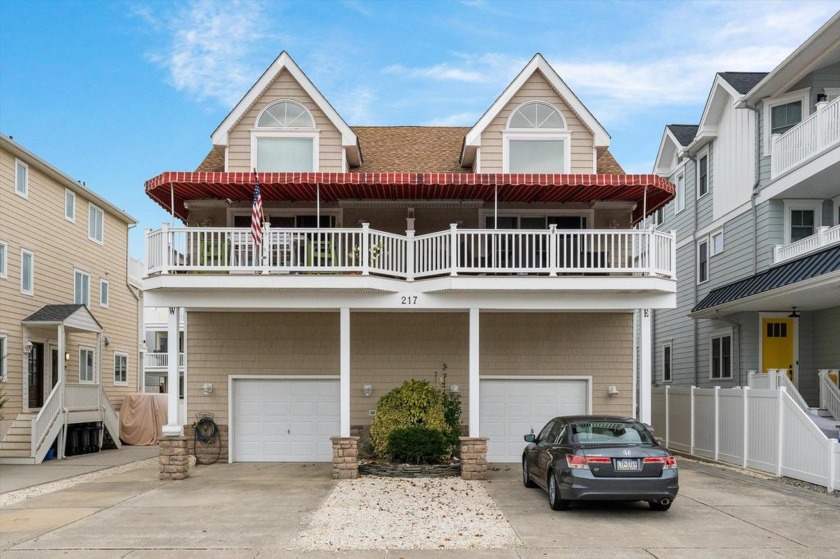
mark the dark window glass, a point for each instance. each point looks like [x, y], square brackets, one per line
[784, 117]
[704, 175]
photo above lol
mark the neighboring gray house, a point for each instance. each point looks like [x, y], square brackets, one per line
[757, 215]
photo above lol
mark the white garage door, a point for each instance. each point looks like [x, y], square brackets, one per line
[279, 420]
[509, 409]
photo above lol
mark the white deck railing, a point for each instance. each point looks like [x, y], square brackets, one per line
[807, 139]
[830, 392]
[365, 251]
[777, 378]
[79, 397]
[160, 360]
[824, 237]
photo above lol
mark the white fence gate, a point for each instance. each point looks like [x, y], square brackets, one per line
[753, 428]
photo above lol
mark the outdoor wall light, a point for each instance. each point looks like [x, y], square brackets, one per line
[27, 346]
[207, 388]
[453, 388]
[822, 97]
[612, 390]
[67, 356]
[367, 389]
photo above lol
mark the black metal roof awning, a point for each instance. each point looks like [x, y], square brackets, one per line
[798, 273]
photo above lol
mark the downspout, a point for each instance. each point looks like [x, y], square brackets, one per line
[696, 287]
[755, 190]
[737, 327]
[136, 294]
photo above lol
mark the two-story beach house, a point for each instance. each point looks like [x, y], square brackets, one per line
[505, 250]
[757, 211]
[69, 309]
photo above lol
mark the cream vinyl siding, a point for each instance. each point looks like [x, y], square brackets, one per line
[284, 87]
[537, 89]
[60, 246]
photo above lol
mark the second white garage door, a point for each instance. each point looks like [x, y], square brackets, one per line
[284, 420]
[511, 408]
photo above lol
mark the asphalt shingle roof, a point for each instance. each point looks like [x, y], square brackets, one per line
[684, 133]
[408, 149]
[743, 81]
[52, 313]
[817, 264]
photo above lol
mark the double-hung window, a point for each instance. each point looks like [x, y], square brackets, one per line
[103, 292]
[703, 261]
[21, 178]
[4, 355]
[4, 267]
[27, 272]
[784, 117]
[721, 356]
[679, 202]
[666, 362]
[703, 175]
[81, 290]
[716, 242]
[120, 368]
[536, 140]
[69, 205]
[87, 369]
[285, 139]
[802, 217]
[96, 224]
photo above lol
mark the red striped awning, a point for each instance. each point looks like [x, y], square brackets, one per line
[302, 187]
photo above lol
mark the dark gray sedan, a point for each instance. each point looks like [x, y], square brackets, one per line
[585, 457]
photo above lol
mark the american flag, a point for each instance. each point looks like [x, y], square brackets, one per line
[256, 213]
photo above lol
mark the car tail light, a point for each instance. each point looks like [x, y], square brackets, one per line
[668, 462]
[598, 459]
[576, 462]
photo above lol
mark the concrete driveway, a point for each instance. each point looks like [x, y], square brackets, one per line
[257, 510]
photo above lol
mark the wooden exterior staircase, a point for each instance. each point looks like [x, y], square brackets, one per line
[16, 445]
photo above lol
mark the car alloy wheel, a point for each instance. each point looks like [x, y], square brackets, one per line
[554, 499]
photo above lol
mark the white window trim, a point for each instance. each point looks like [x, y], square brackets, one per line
[712, 236]
[93, 372]
[25, 193]
[697, 260]
[32, 269]
[722, 333]
[4, 269]
[72, 195]
[814, 205]
[798, 95]
[308, 133]
[836, 215]
[107, 291]
[277, 102]
[122, 382]
[91, 208]
[4, 359]
[76, 273]
[670, 345]
[703, 153]
[520, 134]
[679, 199]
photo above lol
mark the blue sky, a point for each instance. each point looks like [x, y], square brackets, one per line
[116, 92]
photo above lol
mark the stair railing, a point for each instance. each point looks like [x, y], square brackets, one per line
[41, 423]
[829, 395]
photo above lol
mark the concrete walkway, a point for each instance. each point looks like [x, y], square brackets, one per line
[258, 510]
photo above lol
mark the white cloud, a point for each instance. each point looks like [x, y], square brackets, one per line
[211, 47]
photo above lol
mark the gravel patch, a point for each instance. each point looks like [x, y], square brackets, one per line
[387, 513]
[13, 497]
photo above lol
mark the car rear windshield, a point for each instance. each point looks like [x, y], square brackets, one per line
[609, 432]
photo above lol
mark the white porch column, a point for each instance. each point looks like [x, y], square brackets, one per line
[645, 368]
[344, 359]
[173, 427]
[62, 349]
[473, 364]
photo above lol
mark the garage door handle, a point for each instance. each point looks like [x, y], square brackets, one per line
[288, 431]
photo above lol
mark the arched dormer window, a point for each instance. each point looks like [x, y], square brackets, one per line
[285, 139]
[536, 140]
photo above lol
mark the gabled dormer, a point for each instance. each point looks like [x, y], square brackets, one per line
[284, 124]
[537, 125]
[675, 139]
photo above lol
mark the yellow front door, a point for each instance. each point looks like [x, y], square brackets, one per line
[777, 344]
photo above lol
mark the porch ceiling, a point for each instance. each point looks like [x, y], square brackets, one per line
[179, 187]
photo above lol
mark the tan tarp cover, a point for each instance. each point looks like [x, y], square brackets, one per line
[142, 417]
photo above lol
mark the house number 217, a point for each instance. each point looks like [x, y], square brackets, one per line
[408, 300]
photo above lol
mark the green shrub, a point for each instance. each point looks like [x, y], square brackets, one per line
[414, 404]
[417, 445]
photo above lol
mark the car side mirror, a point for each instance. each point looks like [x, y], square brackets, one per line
[530, 437]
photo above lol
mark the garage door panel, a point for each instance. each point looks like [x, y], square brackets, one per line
[510, 409]
[285, 420]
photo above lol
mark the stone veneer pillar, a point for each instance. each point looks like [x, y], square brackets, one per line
[345, 457]
[474, 457]
[173, 460]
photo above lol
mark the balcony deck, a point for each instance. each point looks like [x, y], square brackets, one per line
[823, 238]
[364, 251]
[807, 140]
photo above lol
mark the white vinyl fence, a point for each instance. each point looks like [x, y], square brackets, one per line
[763, 429]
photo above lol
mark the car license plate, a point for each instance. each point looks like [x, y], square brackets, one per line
[627, 465]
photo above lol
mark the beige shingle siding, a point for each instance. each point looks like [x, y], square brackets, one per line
[37, 224]
[537, 89]
[389, 348]
[284, 87]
